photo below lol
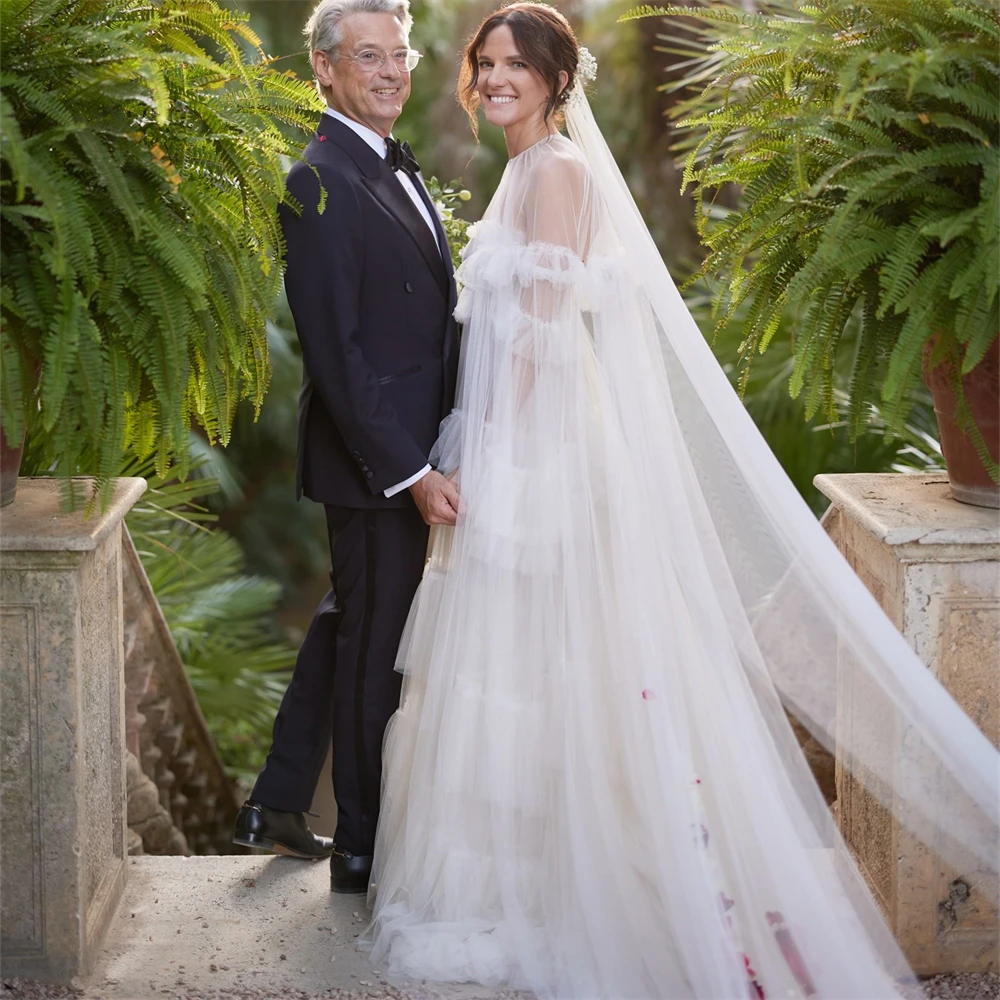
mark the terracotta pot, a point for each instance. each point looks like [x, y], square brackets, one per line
[10, 467]
[970, 482]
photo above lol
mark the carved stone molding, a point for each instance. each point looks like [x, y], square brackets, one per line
[166, 733]
[151, 827]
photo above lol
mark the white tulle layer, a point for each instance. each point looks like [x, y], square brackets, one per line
[591, 787]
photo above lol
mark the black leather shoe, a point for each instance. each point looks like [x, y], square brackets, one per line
[349, 872]
[282, 832]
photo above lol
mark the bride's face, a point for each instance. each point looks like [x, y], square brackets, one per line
[511, 91]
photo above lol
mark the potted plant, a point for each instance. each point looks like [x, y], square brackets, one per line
[865, 139]
[142, 164]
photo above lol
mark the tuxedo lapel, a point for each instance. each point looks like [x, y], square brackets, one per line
[387, 189]
[452, 293]
[379, 178]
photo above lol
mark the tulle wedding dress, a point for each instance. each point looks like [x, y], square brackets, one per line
[591, 787]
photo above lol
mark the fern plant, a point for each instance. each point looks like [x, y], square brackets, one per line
[222, 619]
[142, 165]
[864, 137]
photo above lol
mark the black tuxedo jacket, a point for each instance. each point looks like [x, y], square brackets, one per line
[372, 298]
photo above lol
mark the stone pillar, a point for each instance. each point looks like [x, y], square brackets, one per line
[934, 566]
[62, 783]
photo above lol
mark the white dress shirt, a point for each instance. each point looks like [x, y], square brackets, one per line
[377, 143]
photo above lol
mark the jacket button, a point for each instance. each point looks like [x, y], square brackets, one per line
[369, 474]
[408, 287]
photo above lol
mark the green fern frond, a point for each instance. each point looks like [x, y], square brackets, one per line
[866, 143]
[36, 98]
[902, 265]
[109, 174]
[143, 154]
[926, 312]
[977, 18]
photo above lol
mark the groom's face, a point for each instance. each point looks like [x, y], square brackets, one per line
[374, 97]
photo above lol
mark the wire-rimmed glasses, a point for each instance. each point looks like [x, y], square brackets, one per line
[372, 60]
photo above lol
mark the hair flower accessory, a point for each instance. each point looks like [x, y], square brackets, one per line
[586, 67]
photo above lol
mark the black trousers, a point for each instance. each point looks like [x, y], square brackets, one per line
[344, 684]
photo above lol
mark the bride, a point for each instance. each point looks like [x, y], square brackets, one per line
[591, 786]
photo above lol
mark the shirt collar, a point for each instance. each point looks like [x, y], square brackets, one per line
[370, 136]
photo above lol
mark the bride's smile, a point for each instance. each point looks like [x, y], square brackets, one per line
[513, 94]
[509, 88]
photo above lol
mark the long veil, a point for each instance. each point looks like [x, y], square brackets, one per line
[591, 786]
[810, 620]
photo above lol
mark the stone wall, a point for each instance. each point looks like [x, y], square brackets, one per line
[933, 564]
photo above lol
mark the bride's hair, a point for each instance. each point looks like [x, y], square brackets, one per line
[544, 39]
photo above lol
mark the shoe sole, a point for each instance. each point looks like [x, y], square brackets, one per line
[252, 840]
[343, 890]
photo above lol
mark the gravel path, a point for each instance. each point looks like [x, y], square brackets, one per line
[964, 986]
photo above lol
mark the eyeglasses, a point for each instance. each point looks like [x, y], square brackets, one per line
[372, 60]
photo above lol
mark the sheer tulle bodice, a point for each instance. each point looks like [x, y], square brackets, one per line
[591, 788]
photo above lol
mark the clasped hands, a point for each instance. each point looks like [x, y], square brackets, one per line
[437, 498]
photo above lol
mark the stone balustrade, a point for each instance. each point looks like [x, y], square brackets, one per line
[192, 805]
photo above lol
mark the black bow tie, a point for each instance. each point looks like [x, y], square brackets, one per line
[399, 156]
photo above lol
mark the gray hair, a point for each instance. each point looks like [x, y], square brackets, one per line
[324, 30]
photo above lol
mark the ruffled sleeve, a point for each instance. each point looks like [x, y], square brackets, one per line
[531, 278]
[446, 454]
[533, 288]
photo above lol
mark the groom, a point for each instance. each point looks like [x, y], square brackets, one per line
[369, 280]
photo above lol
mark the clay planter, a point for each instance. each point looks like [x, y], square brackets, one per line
[10, 467]
[970, 482]
[10, 456]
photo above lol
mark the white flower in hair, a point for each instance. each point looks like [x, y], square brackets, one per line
[586, 66]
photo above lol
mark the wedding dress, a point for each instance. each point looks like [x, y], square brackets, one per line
[591, 787]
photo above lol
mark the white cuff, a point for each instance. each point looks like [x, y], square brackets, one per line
[407, 483]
